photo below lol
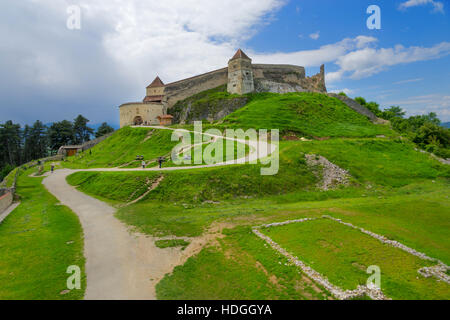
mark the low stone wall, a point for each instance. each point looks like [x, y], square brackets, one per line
[355, 106]
[6, 198]
[90, 144]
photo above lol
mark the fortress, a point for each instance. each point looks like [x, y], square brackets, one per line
[240, 77]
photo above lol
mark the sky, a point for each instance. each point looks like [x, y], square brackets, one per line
[53, 68]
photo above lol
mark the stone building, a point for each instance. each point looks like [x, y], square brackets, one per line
[240, 77]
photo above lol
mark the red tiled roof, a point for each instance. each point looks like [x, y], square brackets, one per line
[240, 54]
[153, 98]
[156, 83]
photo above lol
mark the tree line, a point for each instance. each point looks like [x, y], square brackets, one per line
[20, 145]
[424, 130]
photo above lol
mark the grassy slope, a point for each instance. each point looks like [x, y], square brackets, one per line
[38, 241]
[123, 147]
[399, 164]
[307, 114]
[383, 162]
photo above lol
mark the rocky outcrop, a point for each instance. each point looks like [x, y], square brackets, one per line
[210, 109]
[331, 175]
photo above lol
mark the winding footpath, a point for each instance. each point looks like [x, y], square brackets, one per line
[122, 264]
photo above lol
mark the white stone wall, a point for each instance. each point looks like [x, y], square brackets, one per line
[149, 113]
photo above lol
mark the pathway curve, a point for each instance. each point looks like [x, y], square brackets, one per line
[121, 264]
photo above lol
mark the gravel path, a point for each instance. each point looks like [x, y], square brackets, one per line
[121, 264]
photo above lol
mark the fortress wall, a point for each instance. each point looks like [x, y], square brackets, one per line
[183, 89]
[315, 83]
[282, 73]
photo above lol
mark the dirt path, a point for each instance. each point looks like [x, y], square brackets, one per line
[121, 264]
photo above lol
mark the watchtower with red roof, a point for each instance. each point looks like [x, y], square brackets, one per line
[240, 74]
[155, 91]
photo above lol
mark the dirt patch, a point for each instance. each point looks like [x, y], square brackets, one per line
[322, 138]
[152, 187]
[148, 136]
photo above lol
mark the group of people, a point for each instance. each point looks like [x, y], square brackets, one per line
[160, 161]
[144, 164]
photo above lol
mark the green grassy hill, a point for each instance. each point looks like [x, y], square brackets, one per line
[305, 114]
[123, 147]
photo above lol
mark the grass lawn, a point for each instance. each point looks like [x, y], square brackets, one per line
[123, 147]
[343, 254]
[207, 152]
[238, 267]
[38, 241]
[424, 229]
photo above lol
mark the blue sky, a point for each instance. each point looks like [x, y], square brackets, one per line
[50, 72]
[418, 87]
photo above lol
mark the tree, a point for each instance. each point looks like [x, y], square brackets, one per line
[10, 143]
[393, 112]
[81, 131]
[432, 134]
[60, 134]
[27, 143]
[37, 141]
[103, 129]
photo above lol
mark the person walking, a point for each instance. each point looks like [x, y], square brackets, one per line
[143, 164]
[160, 161]
[52, 167]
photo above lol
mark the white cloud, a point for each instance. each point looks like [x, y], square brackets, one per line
[315, 35]
[423, 104]
[311, 58]
[437, 5]
[368, 61]
[345, 90]
[409, 81]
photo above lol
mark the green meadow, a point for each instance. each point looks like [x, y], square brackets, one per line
[39, 240]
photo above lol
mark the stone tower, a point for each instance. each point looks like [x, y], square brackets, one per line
[240, 74]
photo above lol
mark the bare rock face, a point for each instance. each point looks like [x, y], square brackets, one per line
[188, 111]
[332, 175]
